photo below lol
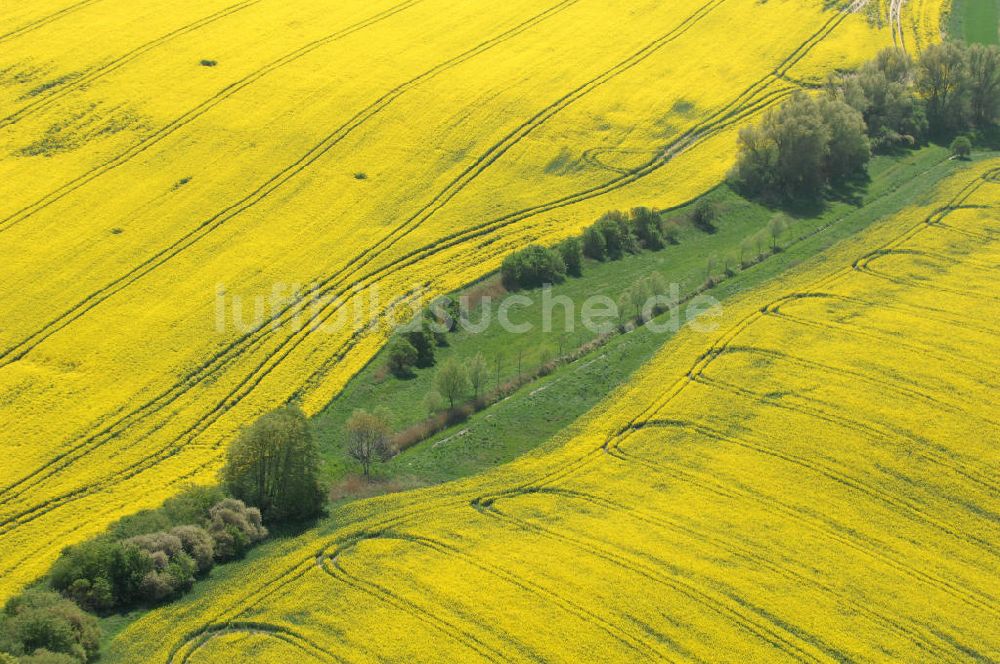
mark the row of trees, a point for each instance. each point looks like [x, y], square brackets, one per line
[810, 142]
[614, 235]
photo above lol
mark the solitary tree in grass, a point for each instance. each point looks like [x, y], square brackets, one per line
[452, 382]
[368, 439]
[274, 465]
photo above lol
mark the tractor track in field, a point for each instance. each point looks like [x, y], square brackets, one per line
[735, 609]
[38, 23]
[330, 564]
[778, 310]
[193, 114]
[727, 115]
[43, 101]
[284, 634]
[899, 503]
[724, 341]
[822, 525]
[739, 550]
[896, 23]
[251, 339]
[632, 642]
[20, 349]
[864, 266]
[897, 384]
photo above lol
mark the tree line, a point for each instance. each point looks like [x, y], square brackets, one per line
[614, 235]
[811, 142]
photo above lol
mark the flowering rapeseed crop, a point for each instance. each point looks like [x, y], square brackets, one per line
[152, 150]
[816, 480]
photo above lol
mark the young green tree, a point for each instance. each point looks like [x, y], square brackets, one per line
[274, 465]
[478, 374]
[368, 438]
[452, 382]
[776, 227]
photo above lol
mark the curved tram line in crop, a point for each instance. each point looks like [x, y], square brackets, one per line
[788, 638]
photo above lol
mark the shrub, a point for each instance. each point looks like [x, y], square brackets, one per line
[671, 233]
[532, 267]
[198, 544]
[618, 236]
[173, 569]
[234, 528]
[189, 506]
[402, 357]
[209, 63]
[646, 224]
[571, 251]
[101, 574]
[434, 402]
[703, 215]
[274, 465]
[42, 622]
[594, 245]
[424, 343]
[961, 147]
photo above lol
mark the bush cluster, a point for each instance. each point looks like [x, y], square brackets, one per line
[614, 235]
[106, 573]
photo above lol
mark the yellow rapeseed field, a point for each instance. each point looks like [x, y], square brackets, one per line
[153, 152]
[816, 479]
